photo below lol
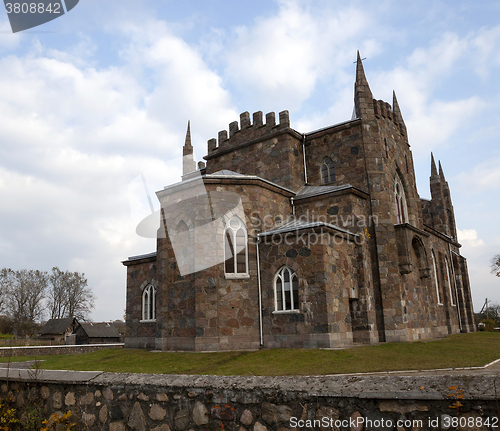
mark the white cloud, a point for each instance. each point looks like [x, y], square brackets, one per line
[281, 57]
[482, 177]
[469, 238]
[75, 136]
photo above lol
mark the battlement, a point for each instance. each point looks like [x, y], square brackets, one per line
[247, 131]
[385, 110]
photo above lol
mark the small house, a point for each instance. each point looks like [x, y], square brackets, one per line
[58, 329]
[97, 333]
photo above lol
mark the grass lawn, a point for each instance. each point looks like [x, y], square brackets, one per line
[461, 350]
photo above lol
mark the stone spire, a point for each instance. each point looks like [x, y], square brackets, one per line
[441, 173]
[188, 163]
[363, 99]
[434, 171]
[397, 113]
[450, 212]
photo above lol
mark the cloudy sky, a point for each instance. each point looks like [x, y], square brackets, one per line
[94, 99]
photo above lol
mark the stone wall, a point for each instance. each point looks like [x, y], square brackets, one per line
[119, 402]
[54, 350]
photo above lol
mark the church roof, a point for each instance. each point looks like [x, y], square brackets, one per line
[300, 224]
[308, 191]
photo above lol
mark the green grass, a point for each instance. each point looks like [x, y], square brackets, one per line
[462, 350]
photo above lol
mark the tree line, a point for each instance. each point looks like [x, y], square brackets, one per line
[28, 296]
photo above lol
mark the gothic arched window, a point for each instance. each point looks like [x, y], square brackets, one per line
[235, 247]
[401, 208]
[448, 280]
[149, 303]
[327, 171]
[286, 290]
[436, 281]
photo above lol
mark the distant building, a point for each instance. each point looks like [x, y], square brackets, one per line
[329, 245]
[58, 329]
[97, 333]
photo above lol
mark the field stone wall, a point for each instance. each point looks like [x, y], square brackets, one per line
[118, 402]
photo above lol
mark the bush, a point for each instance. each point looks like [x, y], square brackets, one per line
[489, 325]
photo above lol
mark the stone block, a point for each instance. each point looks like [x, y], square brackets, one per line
[103, 414]
[157, 413]
[246, 417]
[108, 394]
[116, 426]
[137, 420]
[200, 413]
[181, 419]
[69, 399]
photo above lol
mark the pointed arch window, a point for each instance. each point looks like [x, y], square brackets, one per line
[149, 304]
[401, 208]
[448, 280]
[235, 249]
[286, 290]
[436, 281]
[327, 171]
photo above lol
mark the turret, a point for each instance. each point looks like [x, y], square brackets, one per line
[188, 163]
[450, 212]
[398, 118]
[439, 208]
[363, 99]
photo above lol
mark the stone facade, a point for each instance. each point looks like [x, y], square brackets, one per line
[122, 402]
[337, 210]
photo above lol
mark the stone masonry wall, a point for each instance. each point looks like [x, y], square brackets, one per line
[54, 350]
[119, 402]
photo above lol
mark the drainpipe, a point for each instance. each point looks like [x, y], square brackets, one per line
[293, 207]
[456, 292]
[304, 154]
[260, 294]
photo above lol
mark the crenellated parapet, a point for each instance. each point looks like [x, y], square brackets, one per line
[385, 110]
[247, 130]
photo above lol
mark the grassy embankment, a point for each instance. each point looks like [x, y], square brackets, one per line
[462, 350]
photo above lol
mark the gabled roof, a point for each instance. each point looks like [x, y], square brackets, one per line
[298, 224]
[308, 191]
[100, 330]
[56, 326]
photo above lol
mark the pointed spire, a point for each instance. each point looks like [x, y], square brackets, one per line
[441, 173]
[188, 163]
[434, 171]
[363, 99]
[395, 107]
[187, 143]
[360, 72]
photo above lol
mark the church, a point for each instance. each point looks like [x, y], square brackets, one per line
[283, 239]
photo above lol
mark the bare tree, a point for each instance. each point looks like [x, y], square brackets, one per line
[25, 292]
[69, 295]
[495, 265]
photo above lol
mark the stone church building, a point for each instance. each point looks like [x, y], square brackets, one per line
[313, 240]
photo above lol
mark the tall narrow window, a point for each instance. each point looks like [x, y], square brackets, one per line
[401, 208]
[149, 303]
[448, 280]
[436, 282]
[327, 171]
[236, 247]
[286, 290]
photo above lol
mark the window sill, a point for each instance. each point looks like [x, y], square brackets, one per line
[286, 311]
[147, 321]
[236, 276]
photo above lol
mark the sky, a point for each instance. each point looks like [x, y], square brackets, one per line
[98, 100]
